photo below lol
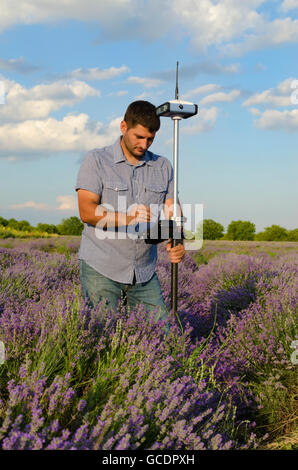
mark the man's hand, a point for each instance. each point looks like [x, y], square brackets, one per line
[176, 253]
[139, 213]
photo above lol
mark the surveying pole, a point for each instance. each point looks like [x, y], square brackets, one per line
[176, 110]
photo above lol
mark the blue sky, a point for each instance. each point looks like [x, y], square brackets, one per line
[69, 68]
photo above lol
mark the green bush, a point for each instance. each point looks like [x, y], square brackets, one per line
[70, 226]
[212, 230]
[240, 230]
[22, 225]
[8, 232]
[273, 233]
[49, 228]
[293, 235]
[13, 224]
[3, 221]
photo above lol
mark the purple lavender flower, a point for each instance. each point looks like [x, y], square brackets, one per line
[82, 378]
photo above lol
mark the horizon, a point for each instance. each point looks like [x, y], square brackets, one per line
[225, 228]
[69, 70]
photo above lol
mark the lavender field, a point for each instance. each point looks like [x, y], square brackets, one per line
[80, 378]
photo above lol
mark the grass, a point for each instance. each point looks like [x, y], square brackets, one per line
[285, 442]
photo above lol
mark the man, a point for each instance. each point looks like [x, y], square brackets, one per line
[116, 186]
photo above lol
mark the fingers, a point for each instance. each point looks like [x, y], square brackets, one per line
[140, 213]
[143, 214]
[176, 253]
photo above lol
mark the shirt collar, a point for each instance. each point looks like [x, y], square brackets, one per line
[120, 157]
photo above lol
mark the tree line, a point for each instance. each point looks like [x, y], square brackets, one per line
[70, 226]
[212, 230]
[245, 230]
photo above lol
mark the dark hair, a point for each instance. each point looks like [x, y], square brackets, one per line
[143, 113]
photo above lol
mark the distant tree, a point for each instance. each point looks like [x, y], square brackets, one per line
[240, 230]
[19, 225]
[13, 223]
[3, 221]
[24, 225]
[212, 230]
[70, 226]
[49, 228]
[273, 233]
[293, 235]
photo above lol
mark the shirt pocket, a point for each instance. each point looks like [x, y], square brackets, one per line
[155, 193]
[115, 194]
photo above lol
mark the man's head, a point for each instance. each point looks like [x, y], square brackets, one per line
[143, 113]
[138, 127]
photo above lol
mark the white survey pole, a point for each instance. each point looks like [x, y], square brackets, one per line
[176, 120]
[176, 110]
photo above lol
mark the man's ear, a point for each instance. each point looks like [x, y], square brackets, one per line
[123, 127]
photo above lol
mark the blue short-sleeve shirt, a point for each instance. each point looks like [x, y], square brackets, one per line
[120, 184]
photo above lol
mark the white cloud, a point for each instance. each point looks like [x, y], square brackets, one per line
[273, 119]
[267, 34]
[289, 5]
[205, 67]
[255, 111]
[74, 133]
[118, 93]
[278, 120]
[217, 96]
[39, 101]
[146, 82]
[118, 19]
[2, 92]
[17, 65]
[278, 97]
[215, 23]
[28, 131]
[233, 26]
[66, 203]
[201, 90]
[233, 68]
[203, 122]
[266, 97]
[98, 74]
[31, 205]
[220, 97]
[36, 11]
[143, 96]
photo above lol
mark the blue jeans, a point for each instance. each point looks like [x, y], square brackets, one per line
[97, 287]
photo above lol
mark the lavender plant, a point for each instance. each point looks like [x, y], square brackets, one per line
[81, 378]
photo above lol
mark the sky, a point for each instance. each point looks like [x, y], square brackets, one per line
[69, 69]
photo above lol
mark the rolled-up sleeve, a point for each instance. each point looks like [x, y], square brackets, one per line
[89, 177]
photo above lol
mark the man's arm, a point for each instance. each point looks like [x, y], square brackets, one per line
[91, 212]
